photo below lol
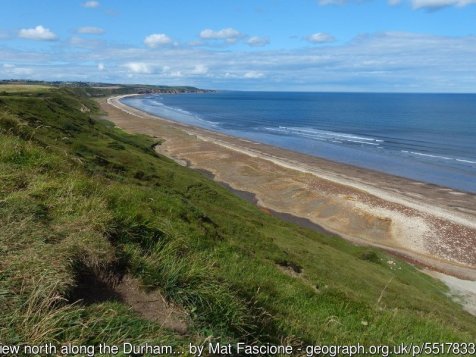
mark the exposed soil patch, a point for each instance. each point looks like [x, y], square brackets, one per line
[290, 266]
[93, 287]
[150, 305]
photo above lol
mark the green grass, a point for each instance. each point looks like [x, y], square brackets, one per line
[22, 88]
[77, 192]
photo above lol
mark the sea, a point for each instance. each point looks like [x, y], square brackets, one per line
[425, 137]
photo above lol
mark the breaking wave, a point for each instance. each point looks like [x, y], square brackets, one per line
[325, 135]
[438, 157]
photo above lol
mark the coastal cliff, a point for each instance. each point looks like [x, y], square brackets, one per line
[104, 240]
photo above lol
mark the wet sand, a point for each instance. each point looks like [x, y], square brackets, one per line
[423, 223]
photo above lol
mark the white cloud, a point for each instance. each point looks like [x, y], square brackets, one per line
[101, 67]
[438, 4]
[253, 75]
[320, 37]
[91, 30]
[11, 69]
[21, 71]
[90, 43]
[332, 2]
[139, 67]
[199, 69]
[195, 43]
[157, 39]
[38, 33]
[227, 34]
[430, 5]
[91, 4]
[390, 62]
[256, 41]
[230, 35]
[176, 74]
[241, 75]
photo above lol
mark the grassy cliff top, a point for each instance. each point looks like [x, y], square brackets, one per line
[84, 206]
[92, 89]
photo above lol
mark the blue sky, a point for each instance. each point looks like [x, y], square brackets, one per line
[304, 45]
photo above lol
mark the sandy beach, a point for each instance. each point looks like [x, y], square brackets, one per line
[423, 223]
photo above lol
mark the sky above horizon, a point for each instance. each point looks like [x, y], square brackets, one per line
[300, 45]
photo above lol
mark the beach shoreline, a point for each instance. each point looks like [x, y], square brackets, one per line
[423, 223]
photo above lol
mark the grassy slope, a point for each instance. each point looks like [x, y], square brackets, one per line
[91, 90]
[78, 194]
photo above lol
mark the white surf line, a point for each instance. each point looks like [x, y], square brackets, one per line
[297, 166]
[114, 101]
[438, 212]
